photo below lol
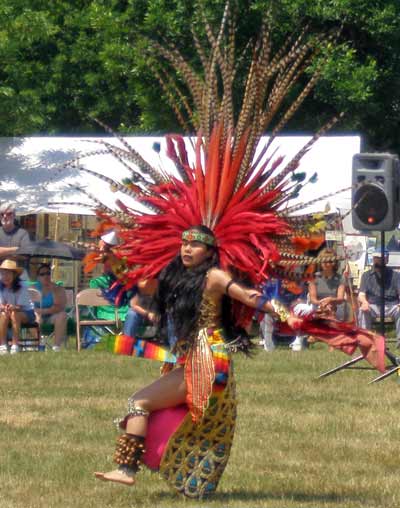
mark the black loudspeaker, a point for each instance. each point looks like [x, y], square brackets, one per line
[375, 191]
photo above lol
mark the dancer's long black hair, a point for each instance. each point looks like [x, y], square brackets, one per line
[180, 292]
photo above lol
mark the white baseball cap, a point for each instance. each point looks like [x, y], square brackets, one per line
[110, 238]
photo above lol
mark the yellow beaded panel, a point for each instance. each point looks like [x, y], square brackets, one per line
[197, 454]
[209, 313]
[209, 317]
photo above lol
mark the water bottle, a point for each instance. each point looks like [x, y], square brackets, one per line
[42, 344]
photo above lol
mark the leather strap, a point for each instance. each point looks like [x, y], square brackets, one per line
[232, 281]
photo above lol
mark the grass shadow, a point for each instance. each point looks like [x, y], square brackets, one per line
[247, 495]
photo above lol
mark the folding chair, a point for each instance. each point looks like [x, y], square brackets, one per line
[92, 298]
[70, 310]
[29, 342]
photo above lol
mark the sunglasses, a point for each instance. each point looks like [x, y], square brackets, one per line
[42, 274]
[6, 214]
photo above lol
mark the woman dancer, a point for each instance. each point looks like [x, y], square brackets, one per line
[195, 321]
[242, 195]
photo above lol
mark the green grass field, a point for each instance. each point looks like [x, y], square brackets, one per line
[300, 442]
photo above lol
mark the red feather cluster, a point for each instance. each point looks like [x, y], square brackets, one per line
[244, 220]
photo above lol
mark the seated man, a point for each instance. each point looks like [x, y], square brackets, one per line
[52, 306]
[141, 312]
[369, 295]
[12, 236]
[102, 282]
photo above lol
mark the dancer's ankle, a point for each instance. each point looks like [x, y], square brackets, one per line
[129, 471]
[129, 451]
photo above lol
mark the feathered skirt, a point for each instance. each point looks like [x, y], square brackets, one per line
[190, 444]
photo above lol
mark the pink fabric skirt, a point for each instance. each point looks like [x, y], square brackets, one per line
[161, 425]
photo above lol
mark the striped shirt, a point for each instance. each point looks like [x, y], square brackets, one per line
[371, 285]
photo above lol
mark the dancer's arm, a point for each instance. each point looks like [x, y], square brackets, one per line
[220, 283]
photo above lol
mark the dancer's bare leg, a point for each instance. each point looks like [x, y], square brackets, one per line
[167, 391]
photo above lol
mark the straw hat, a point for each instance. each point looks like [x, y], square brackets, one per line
[8, 264]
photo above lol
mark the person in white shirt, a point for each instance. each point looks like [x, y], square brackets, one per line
[16, 306]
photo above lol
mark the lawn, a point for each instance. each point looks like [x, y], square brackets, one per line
[300, 442]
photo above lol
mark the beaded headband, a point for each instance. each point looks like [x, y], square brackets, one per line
[192, 235]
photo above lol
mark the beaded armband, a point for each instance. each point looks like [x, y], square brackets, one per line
[135, 410]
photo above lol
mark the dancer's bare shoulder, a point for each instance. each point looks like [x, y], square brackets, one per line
[217, 280]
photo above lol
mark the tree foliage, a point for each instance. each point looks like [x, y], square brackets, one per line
[63, 62]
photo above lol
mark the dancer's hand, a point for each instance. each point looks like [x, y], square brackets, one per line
[152, 317]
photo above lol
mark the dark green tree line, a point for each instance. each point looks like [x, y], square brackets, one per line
[62, 62]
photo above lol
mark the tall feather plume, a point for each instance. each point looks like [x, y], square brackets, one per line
[134, 156]
[175, 97]
[294, 162]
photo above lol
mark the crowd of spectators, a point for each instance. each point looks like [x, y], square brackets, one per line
[325, 293]
[16, 306]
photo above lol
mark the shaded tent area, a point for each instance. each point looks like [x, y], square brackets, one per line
[35, 178]
[57, 200]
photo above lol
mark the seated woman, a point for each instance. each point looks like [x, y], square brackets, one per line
[327, 290]
[52, 306]
[16, 307]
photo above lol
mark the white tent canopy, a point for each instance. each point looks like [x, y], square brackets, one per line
[33, 176]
